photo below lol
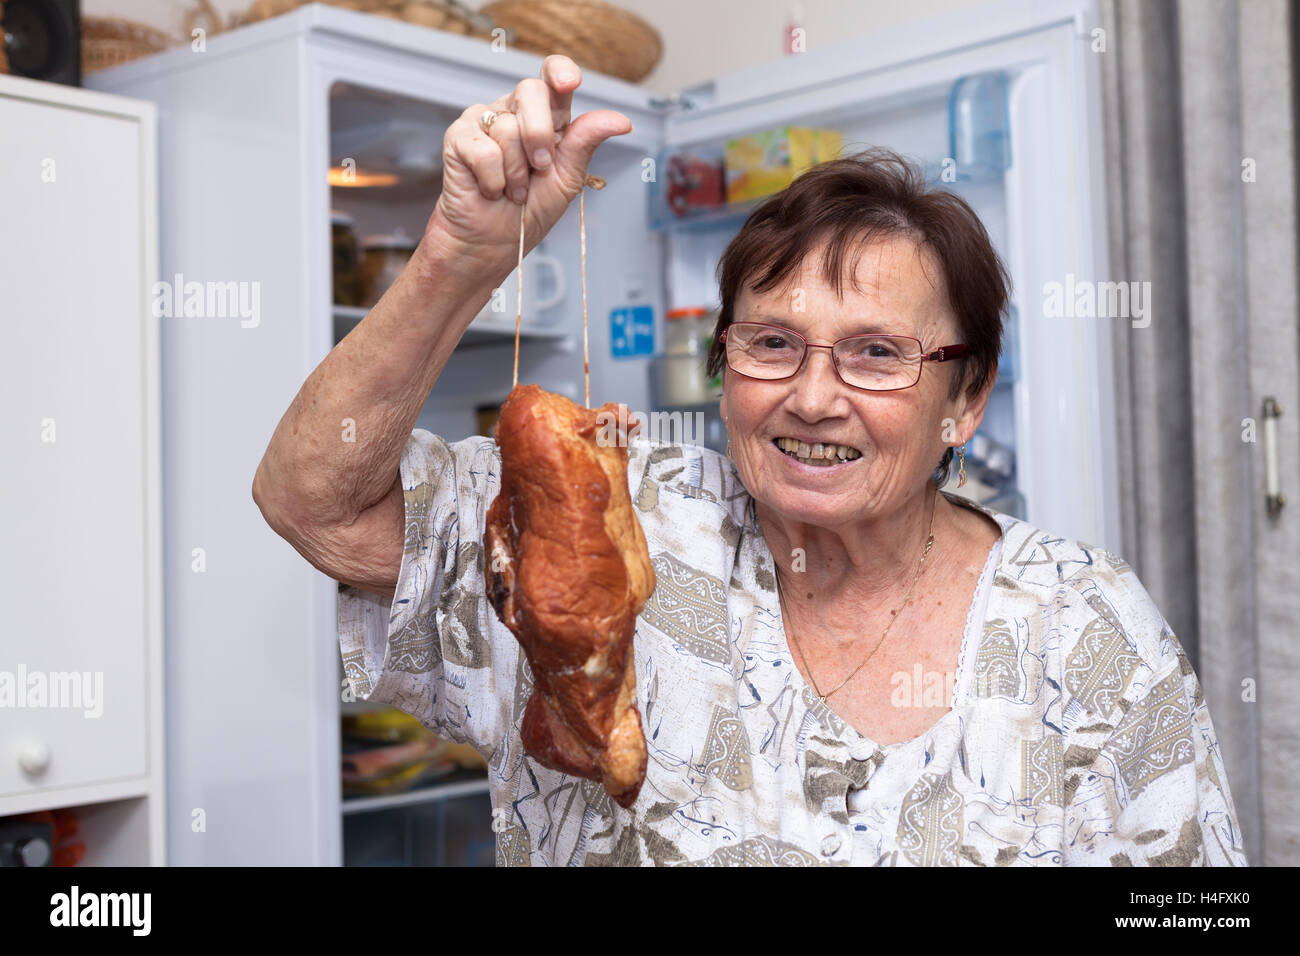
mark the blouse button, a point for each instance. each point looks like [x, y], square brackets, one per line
[861, 749]
[831, 844]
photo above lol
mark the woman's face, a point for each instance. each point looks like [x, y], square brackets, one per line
[901, 435]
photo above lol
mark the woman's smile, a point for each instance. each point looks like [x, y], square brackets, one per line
[815, 456]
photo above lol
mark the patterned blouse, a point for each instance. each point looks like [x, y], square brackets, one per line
[1077, 735]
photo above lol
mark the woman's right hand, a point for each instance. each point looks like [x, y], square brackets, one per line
[532, 148]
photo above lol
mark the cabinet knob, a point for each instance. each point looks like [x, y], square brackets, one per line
[34, 758]
[33, 852]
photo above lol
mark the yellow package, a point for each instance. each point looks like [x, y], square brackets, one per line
[827, 144]
[768, 161]
[384, 723]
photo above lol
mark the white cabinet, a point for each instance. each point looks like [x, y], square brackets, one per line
[80, 567]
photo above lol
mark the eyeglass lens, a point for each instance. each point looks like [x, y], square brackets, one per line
[877, 362]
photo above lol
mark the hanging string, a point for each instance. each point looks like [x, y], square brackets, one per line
[519, 299]
[595, 182]
[582, 247]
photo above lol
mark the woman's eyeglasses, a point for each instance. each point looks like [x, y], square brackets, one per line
[877, 363]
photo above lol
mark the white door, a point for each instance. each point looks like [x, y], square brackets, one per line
[74, 562]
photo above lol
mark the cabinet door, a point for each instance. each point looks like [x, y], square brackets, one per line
[73, 566]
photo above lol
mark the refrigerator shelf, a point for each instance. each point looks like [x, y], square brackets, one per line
[459, 784]
[690, 185]
[481, 332]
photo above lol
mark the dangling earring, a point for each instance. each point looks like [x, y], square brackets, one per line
[729, 450]
[961, 465]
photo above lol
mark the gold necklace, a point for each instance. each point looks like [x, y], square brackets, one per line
[929, 543]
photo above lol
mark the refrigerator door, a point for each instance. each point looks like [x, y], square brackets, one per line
[1002, 105]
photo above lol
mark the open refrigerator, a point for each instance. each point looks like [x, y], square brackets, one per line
[1008, 122]
[258, 135]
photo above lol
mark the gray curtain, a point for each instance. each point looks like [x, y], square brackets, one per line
[1200, 129]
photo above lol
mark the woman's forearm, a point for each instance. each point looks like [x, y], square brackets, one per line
[337, 449]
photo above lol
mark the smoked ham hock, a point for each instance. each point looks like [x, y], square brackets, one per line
[568, 571]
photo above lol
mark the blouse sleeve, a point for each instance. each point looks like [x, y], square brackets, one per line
[1155, 792]
[437, 651]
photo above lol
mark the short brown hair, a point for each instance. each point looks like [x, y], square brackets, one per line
[847, 202]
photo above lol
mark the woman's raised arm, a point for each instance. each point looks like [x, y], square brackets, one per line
[329, 481]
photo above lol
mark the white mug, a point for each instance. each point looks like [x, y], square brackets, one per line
[508, 296]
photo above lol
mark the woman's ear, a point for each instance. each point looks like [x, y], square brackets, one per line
[970, 409]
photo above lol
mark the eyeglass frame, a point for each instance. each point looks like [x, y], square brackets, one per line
[945, 353]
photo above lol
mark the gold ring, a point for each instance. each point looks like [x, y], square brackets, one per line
[487, 119]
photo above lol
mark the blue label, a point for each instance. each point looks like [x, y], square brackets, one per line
[632, 331]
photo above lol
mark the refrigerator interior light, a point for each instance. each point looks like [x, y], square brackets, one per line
[348, 177]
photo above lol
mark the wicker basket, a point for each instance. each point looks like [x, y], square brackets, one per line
[448, 15]
[107, 41]
[205, 17]
[597, 35]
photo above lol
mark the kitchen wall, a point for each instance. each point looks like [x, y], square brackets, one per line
[700, 39]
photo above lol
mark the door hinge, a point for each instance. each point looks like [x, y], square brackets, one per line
[673, 101]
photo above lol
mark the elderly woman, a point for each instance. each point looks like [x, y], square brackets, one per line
[840, 664]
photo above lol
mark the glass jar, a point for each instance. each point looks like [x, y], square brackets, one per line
[384, 259]
[678, 375]
[347, 267]
[687, 331]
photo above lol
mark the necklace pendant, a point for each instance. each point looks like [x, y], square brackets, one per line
[822, 699]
